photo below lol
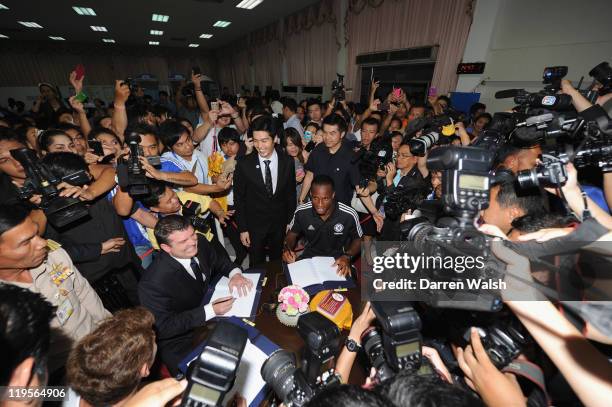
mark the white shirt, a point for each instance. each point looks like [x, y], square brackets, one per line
[273, 168]
[207, 146]
[294, 122]
[198, 165]
[186, 263]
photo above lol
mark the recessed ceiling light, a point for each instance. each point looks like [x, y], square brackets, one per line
[160, 18]
[3, 36]
[98, 28]
[206, 36]
[249, 4]
[84, 11]
[108, 40]
[221, 24]
[156, 32]
[30, 24]
[57, 38]
[153, 42]
[194, 45]
[3, 7]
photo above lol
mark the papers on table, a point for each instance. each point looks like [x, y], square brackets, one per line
[314, 271]
[248, 378]
[243, 306]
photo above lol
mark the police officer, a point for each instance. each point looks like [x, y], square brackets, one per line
[330, 228]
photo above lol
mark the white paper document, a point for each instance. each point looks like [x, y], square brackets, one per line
[242, 306]
[313, 271]
[248, 378]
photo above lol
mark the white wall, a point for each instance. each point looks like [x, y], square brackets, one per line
[529, 35]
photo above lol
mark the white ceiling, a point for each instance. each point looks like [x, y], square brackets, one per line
[129, 21]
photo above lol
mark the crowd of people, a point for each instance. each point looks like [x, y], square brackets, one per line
[95, 302]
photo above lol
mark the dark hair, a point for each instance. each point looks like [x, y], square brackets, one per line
[163, 92]
[99, 120]
[323, 180]
[143, 129]
[102, 130]
[312, 102]
[168, 225]
[313, 124]
[509, 196]
[476, 106]
[22, 132]
[335, 120]
[395, 134]
[372, 122]
[228, 134]
[409, 389]
[137, 113]
[159, 111]
[157, 188]
[8, 134]
[532, 222]
[46, 138]
[67, 126]
[59, 112]
[64, 163]
[485, 115]
[396, 119]
[170, 132]
[25, 330]
[104, 367]
[293, 135]
[290, 104]
[445, 98]
[265, 123]
[347, 395]
[12, 215]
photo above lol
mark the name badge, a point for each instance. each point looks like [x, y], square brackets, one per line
[64, 311]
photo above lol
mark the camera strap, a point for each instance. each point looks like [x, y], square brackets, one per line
[531, 372]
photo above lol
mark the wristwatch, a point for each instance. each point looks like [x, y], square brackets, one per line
[352, 345]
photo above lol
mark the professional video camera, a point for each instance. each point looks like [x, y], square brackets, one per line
[402, 199]
[40, 181]
[602, 73]
[374, 159]
[465, 191]
[212, 375]
[399, 347]
[131, 176]
[337, 88]
[192, 211]
[296, 386]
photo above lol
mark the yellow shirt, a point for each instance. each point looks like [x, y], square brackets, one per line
[183, 196]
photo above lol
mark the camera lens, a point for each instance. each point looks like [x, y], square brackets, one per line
[278, 372]
[528, 178]
[420, 145]
[372, 344]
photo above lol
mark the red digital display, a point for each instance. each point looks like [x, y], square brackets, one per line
[470, 68]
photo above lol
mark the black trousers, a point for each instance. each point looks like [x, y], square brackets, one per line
[233, 234]
[266, 241]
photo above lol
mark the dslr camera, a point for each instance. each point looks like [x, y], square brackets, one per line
[192, 211]
[60, 211]
[337, 88]
[213, 373]
[296, 386]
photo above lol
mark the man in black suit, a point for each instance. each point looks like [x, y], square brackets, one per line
[173, 286]
[264, 194]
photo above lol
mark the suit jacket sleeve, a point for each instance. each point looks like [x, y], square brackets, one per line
[157, 297]
[219, 265]
[291, 190]
[240, 192]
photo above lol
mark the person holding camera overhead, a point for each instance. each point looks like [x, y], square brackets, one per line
[173, 287]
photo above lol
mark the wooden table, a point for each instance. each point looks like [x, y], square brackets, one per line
[287, 337]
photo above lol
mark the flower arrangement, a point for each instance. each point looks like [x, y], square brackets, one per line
[293, 300]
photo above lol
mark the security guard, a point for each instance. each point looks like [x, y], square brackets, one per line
[41, 266]
[330, 228]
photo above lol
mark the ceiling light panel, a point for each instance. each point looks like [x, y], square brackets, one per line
[194, 45]
[3, 36]
[207, 36]
[30, 24]
[98, 28]
[156, 32]
[3, 7]
[57, 38]
[84, 11]
[221, 24]
[160, 18]
[108, 40]
[249, 4]
[153, 42]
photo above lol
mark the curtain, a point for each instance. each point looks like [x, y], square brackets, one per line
[378, 25]
[310, 44]
[27, 63]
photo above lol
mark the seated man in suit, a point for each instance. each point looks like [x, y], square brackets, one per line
[330, 228]
[173, 287]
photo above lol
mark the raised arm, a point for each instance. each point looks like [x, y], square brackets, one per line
[119, 119]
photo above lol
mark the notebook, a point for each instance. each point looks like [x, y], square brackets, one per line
[316, 274]
[243, 307]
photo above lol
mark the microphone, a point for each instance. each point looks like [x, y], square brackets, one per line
[509, 93]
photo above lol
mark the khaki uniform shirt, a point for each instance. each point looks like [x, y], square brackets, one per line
[78, 307]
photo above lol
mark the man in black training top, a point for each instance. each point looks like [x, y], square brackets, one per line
[330, 228]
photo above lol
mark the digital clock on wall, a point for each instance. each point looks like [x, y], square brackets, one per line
[470, 68]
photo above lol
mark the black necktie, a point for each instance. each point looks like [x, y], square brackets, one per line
[268, 179]
[196, 270]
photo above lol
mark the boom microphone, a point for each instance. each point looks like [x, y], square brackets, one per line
[508, 93]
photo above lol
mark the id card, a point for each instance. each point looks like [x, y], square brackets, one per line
[64, 311]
